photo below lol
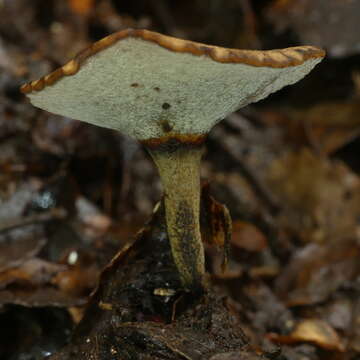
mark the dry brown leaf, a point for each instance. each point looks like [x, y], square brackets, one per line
[39, 297]
[314, 331]
[216, 225]
[320, 198]
[77, 280]
[327, 126]
[317, 271]
[247, 236]
[33, 272]
[20, 249]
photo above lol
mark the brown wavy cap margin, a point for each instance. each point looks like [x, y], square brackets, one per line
[271, 58]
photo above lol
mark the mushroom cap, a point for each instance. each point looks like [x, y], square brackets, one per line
[152, 86]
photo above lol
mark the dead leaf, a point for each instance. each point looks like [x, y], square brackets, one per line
[320, 198]
[14, 206]
[95, 222]
[314, 331]
[327, 126]
[216, 224]
[247, 236]
[77, 280]
[33, 272]
[270, 313]
[19, 247]
[39, 297]
[317, 271]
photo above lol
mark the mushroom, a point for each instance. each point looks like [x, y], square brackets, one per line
[168, 93]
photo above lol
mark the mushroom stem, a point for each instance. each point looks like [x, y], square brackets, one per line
[180, 174]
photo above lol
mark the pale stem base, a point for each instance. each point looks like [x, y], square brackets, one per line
[180, 174]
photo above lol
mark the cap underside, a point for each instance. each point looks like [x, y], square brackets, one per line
[148, 91]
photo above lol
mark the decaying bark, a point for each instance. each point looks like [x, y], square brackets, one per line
[140, 312]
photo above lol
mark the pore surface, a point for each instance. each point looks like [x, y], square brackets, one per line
[147, 91]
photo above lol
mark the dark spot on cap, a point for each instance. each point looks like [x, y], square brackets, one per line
[156, 88]
[166, 106]
[166, 127]
[134, 85]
